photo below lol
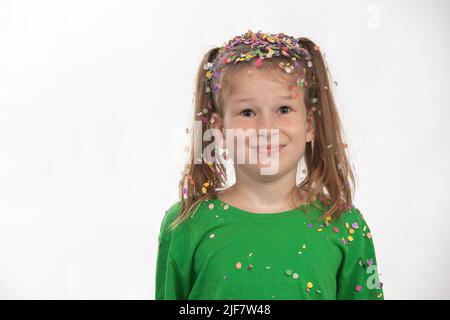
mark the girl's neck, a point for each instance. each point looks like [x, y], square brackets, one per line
[263, 195]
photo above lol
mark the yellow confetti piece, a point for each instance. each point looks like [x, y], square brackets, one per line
[310, 285]
[350, 238]
[320, 229]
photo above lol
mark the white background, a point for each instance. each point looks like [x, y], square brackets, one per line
[95, 97]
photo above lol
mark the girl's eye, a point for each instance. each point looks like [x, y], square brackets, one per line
[285, 109]
[247, 113]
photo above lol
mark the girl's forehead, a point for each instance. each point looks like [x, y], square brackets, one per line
[247, 81]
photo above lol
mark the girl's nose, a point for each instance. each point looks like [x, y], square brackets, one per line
[267, 128]
[266, 121]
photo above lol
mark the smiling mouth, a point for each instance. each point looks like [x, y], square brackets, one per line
[269, 149]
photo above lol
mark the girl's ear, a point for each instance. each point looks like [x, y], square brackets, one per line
[310, 126]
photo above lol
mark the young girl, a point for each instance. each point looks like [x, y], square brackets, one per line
[267, 236]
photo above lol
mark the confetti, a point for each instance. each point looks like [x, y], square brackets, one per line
[310, 225]
[355, 225]
[238, 265]
[289, 272]
[350, 238]
[262, 46]
[250, 267]
[295, 275]
[310, 285]
[369, 235]
[212, 235]
[336, 229]
[358, 287]
[211, 206]
[351, 231]
[225, 207]
[205, 187]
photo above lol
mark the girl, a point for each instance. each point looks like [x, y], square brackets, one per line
[266, 236]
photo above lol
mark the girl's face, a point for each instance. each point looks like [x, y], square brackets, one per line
[258, 101]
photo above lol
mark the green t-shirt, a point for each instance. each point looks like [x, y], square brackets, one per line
[223, 252]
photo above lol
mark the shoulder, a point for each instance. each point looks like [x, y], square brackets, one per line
[169, 216]
[172, 212]
[352, 225]
[186, 224]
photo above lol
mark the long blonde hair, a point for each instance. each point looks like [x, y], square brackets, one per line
[329, 177]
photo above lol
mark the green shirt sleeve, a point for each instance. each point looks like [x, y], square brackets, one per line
[171, 281]
[358, 276]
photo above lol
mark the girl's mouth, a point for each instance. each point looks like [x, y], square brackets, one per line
[269, 149]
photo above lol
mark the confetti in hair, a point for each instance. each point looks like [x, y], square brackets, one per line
[260, 46]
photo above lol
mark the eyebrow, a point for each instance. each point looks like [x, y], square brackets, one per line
[250, 99]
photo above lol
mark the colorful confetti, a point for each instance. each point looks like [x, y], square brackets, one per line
[259, 46]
